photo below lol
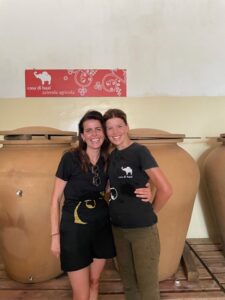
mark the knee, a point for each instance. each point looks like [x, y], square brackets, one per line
[94, 283]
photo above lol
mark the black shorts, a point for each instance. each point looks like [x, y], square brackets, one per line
[81, 243]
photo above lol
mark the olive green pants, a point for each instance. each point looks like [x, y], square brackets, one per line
[138, 252]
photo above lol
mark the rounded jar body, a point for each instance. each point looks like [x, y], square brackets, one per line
[214, 170]
[26, 178]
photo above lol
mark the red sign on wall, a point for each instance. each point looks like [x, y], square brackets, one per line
[75, 83]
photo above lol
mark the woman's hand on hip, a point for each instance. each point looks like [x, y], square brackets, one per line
[144, 193]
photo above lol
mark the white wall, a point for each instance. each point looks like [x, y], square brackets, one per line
[169, 47]
[172, 50]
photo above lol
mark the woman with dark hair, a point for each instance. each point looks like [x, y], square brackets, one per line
[82, 237]
[134, 221]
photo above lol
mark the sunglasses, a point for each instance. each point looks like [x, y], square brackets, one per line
[96, 180]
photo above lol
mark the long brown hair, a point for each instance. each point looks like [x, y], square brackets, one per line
[81, 148]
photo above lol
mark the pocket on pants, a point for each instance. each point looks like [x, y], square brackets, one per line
[153, 242]
[156, 237]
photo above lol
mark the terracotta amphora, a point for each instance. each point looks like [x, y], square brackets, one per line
[28, 161]
[214, 178]
[183, 174]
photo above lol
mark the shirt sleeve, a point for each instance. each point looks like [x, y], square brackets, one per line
[64, 170]
[146, 158]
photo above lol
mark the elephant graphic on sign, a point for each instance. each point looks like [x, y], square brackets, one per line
[127, 170]
[44, 76]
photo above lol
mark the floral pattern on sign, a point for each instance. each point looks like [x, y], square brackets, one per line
[76, 83]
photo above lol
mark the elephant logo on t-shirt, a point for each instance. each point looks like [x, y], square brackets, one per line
[127, 170]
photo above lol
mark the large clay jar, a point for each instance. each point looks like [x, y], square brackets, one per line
[214, 177]
[28, 161]
[183, 174]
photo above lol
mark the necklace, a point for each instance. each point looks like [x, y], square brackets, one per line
[94, 160]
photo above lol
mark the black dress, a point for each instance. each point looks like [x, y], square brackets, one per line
[85, 230]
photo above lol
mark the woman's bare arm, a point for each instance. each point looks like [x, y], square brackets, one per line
[55, 214]
[163, 188]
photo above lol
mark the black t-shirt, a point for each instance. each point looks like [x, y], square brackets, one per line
[80, 187]
[126, 173]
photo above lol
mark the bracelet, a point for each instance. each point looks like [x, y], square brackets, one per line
[56, 233]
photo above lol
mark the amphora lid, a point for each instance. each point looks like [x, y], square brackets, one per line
[153, 136]
[222, 138]
[37, 135]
